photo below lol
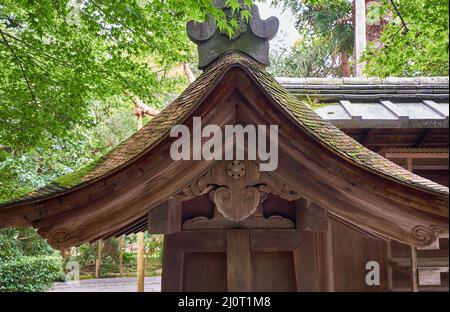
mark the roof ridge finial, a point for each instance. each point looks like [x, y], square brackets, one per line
[251, 37]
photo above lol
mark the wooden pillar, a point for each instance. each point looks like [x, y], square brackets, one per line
[238, 260]
[99, 259]
[120, 247]
[306, 263]
[310, 217]
[172, 266]
[360, 35]
[140, 270]
[409, 164]
[326, 259]
[140, 261]
[414, 273]
[389, 267]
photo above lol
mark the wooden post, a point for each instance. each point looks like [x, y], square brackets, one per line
[140, 270]
[414, 273]
[140, 261]
[310, 217]
[414, 277]
[326, 259]
[409, 164]
[99, 259]
[120, 247]
[238, 260]
[360, 35]
[389, 267]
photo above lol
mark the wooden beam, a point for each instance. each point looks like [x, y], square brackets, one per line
[422, 138]
[418, 155]
[414, 272]
[238, 261]
[283, 240]
[310, 217]
[430, 167]
[165, 218]
[422, 262]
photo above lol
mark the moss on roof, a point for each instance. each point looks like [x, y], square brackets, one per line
[76, 177]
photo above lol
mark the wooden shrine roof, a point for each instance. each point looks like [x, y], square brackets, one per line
[160, 125]
[92, 182]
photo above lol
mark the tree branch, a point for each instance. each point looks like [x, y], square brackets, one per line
[399, 15]
[25, 237]
[33, 97]
[39, 51]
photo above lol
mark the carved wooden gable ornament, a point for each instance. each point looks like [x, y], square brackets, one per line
[237, 189]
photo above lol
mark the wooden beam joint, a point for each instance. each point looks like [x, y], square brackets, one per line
[165, 218]
[310, 217]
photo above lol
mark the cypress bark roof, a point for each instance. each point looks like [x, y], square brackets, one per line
[159, 127]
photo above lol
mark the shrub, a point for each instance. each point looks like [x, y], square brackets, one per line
[27, 273]
[27, 263]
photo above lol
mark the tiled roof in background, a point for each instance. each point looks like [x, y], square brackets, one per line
[376, 103]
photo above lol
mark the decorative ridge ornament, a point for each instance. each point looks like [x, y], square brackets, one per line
[251, 37]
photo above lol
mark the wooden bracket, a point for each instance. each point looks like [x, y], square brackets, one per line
[310, 217]
[165, 218]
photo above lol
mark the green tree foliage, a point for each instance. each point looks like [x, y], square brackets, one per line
[414, 43]
[68, 71]
[326, 42]
[21, 172]
[58, 55]
[27, 262]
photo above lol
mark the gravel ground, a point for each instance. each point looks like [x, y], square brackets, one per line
[122, 284]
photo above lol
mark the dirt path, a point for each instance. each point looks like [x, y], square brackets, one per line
[125, 284]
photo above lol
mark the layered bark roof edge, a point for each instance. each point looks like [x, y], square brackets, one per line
[159, 127]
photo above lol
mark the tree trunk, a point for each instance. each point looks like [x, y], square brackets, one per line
[188, 72]
[120, 247]
[99, 259]
[140, 261]
[344, 65]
